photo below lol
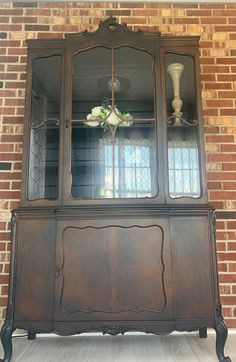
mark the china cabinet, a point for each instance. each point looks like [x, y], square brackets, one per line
[114, 232]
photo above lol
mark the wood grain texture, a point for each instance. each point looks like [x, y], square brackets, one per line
[130, 348]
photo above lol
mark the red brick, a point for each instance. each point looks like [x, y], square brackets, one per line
[8, 59]
[3, 225]
[225, 28]
[228, 112]
[24, 19]
[223, 195]
[227, 278]
[230, 323]
[3, 301]
[229, 60]
[227, 312]
[226, 77]
[227, 94]
[133, 20]
[214, 20]
[211, 129]
[10, 156]
[11, 27]
[220, 138]
[198, 13]
[220, 246]
[4, 19]
[62, 28]
[4, 186]
[11, 11]
[11, 138]
[226, 13]
[14, 119]
[9, 43]
[52, 5]
[39, 12]
[208, 77]
[229, 166]
[6, 147]
[226, 235]
[207, 60]
[211, 6]
[8, 76]
[50, 35]
[17, 51]
[16, 68]
[2, 245]
[222, 267]
[10, 195]
[186, 21]
[228, 300]
[219, 103]
[5, 110]
[220, 224]
[134, 5]
[228, 148]
[229, 185]
[210, 112]
[14, 102]
[231, 225]
[221, 176]
[4, 290]
[214, 186]
[4, 279]
[5, 236]
[215, 69]
[218, 85]
[224, 289]
[16, 185]
[10, 175]
[14, 85]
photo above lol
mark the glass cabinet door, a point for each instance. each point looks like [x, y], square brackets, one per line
[113, 124]
[44, 128]
[182, 127]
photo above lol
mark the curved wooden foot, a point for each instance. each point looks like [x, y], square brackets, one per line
[6, 334]
[221, 335]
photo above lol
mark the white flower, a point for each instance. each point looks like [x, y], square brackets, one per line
[113, 119]
[101, 115]
[96, 111]
[92, 118]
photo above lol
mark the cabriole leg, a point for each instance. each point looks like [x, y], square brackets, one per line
[221, 335]
[6, 338]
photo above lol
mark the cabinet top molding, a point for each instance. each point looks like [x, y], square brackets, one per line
[109, 26]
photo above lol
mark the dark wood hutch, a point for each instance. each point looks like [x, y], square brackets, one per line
[114, 232]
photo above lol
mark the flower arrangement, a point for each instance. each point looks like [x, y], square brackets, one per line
[107, 116]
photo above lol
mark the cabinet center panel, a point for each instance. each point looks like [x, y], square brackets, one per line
[113, 269]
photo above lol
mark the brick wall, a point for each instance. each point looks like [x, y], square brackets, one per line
[215, 23]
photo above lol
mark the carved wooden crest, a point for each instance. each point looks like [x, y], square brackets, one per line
[109, 26]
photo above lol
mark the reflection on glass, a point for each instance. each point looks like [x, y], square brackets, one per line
[183, 163]
[102, 169]
[183, 158]
[113, 149]
[44, 124]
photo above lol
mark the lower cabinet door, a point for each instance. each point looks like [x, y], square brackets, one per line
[34, 269]
[113, 270]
